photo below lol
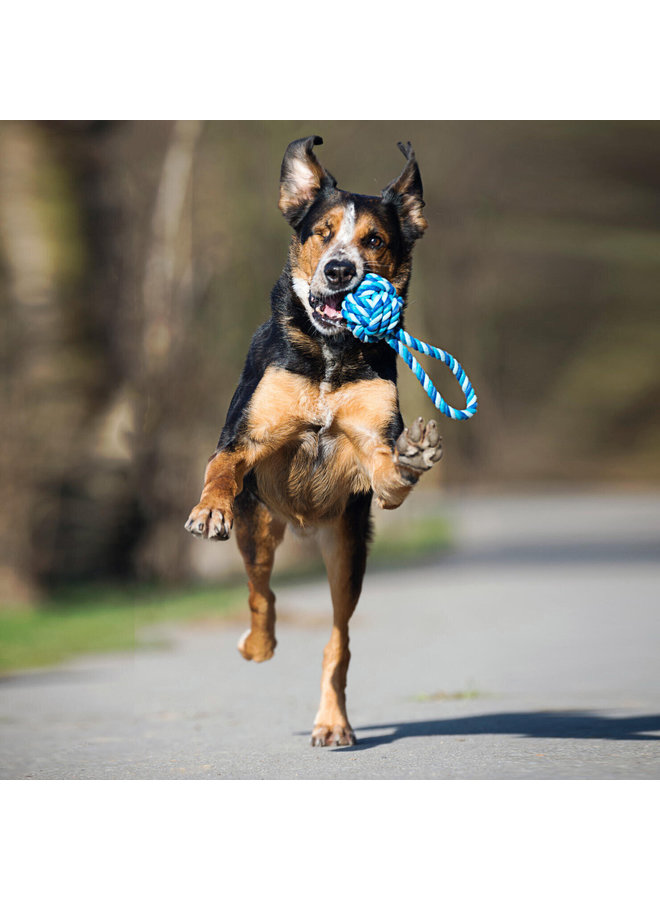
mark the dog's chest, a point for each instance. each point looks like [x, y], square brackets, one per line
[325, 410]
[289, 407]
[327, 436]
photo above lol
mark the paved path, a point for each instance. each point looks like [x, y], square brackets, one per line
[546, 619]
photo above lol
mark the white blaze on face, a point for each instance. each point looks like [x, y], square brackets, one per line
[346, 229]
[341, 247]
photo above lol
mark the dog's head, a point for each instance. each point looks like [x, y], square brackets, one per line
[340, 236]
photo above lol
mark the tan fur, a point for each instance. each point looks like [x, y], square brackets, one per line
[331, 724]
[258, 537]
[223, 481]
[305, 257]
[364, 408]
[378, 259]
[310, 448]
[293, 417]
[412, 208]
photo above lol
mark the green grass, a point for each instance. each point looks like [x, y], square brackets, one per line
[96, 619]
[469, 694]
[91, 619]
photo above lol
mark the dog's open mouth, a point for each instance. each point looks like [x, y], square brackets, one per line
[327, 309]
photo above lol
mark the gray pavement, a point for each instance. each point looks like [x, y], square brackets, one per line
[531, 651]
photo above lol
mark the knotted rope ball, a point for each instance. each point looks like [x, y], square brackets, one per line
[372, 314]
[372, 311]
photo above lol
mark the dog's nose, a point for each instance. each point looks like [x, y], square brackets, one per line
[339, 272]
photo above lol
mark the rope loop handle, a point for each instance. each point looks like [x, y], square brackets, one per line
[372, 314]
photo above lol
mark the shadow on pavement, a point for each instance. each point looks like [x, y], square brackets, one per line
[578, 724]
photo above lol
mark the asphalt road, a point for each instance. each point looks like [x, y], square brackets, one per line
[531, 651]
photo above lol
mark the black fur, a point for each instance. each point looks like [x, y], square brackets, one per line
[359, 521]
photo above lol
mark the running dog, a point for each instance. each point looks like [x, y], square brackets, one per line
[314, 431]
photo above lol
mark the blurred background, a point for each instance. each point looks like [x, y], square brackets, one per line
[137, 258]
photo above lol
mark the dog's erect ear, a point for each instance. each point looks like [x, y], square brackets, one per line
[406, 195]
[302, 179]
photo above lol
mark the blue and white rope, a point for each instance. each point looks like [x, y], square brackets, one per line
[372, 313]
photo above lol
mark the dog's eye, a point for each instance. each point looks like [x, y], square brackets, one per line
[374, 241]
[325, 233]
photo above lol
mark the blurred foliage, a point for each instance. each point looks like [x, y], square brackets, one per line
[136, 259]
[108, 619]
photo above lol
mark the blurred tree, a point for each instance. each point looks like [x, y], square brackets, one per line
[168, 299]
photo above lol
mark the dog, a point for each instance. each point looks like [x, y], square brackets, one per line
[314, 431]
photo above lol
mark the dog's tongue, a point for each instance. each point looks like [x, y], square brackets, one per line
[331, 312]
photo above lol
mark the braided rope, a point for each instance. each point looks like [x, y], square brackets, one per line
[372, 314]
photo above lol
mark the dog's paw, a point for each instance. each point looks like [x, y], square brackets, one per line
[257, 648]
[332, 735]
[214, 524]
[418, 448]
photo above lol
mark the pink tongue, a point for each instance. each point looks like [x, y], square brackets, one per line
[331, 312]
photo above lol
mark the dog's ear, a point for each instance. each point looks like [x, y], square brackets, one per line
[302, 179]
[406, 195]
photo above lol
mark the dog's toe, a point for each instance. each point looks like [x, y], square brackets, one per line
[332, 735]
[432, 436]
[417, 429]
[343, 737]
[214, 524]
[219, 526]
[198, 521]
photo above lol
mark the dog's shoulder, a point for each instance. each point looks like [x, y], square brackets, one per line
[278, 344]
[257, 361]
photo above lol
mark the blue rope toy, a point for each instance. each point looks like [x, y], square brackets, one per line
[372, 313]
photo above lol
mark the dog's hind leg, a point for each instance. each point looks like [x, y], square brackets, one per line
[344, 548]
[258, 534]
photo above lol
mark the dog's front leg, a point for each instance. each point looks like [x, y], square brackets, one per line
[275, 416]
[213, 516]
[395, 473]
[366, 411]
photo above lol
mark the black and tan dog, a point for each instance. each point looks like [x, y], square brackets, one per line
[314, 431]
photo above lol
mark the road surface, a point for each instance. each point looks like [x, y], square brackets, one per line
[531, 651]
